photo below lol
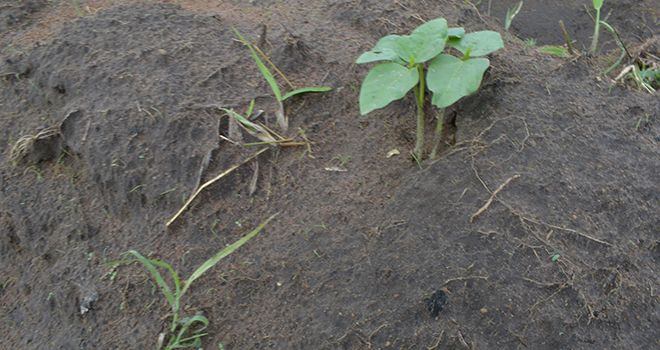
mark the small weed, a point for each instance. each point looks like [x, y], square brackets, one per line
[186, 332]
[342, 160]
[449, 78]
[272, 82]
[530, 42]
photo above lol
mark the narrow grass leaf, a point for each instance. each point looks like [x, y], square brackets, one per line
[253, 129]
[306, 90]
[557, 51]
[151, 267]
[250, 109]
[262, 67]
[223, 253]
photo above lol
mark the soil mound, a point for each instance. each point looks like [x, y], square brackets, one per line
[537, 228]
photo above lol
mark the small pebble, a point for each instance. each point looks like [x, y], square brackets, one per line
[483, 311]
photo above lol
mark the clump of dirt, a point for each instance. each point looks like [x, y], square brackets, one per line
[12, 15]
[537, 227]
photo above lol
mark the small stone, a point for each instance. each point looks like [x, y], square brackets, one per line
[483, 311]
[162, 52]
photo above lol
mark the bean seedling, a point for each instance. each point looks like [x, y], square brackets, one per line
[186, 332]
[449, 78]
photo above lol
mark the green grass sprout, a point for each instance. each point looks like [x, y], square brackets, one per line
[186, 332]
[272, 82]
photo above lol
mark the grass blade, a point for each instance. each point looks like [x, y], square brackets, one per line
[306, 90]
[254, 129]
[223, 253]
[151, 267]
[262, 67]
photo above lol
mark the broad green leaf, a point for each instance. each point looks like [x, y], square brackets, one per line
[385, 50]
[458, 32]
[598, 4]
[306, 90]
[223, 253]
[425, 42]
[262, 67]
[436, 27]
[451, 78]
[385, 83]
[478, 43]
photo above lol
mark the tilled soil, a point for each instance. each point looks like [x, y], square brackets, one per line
[537, 228]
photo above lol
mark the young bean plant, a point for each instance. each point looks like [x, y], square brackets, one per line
[417, 62]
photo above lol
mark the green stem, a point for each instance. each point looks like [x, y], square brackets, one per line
[419, 94]
[619, 42]
[439, 125]
[594, 40]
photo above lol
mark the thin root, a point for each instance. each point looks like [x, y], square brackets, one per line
[210, 182]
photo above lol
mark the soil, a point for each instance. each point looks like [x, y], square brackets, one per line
[120, 102]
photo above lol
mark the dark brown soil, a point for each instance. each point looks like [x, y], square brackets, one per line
[635, 20]
[386, 255]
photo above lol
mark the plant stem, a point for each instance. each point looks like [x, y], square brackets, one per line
[439, 126]
[567, 38]
[594, 40]
[419, 94]
[619, 42]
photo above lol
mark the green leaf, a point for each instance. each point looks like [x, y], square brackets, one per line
[306, 90]
[425, 42]
[385, 83]
[385, 50]
[195, 339]
[151, 266]
[557, 51]
[478, 43]
[458, 32]
[436, 27]
[598, 4]
[451, 78]
[223, 253]
[262, 67]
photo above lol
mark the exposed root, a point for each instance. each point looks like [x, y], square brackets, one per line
[492, 197]
[467, 278]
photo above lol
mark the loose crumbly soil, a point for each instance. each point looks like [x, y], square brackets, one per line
[384, 255]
